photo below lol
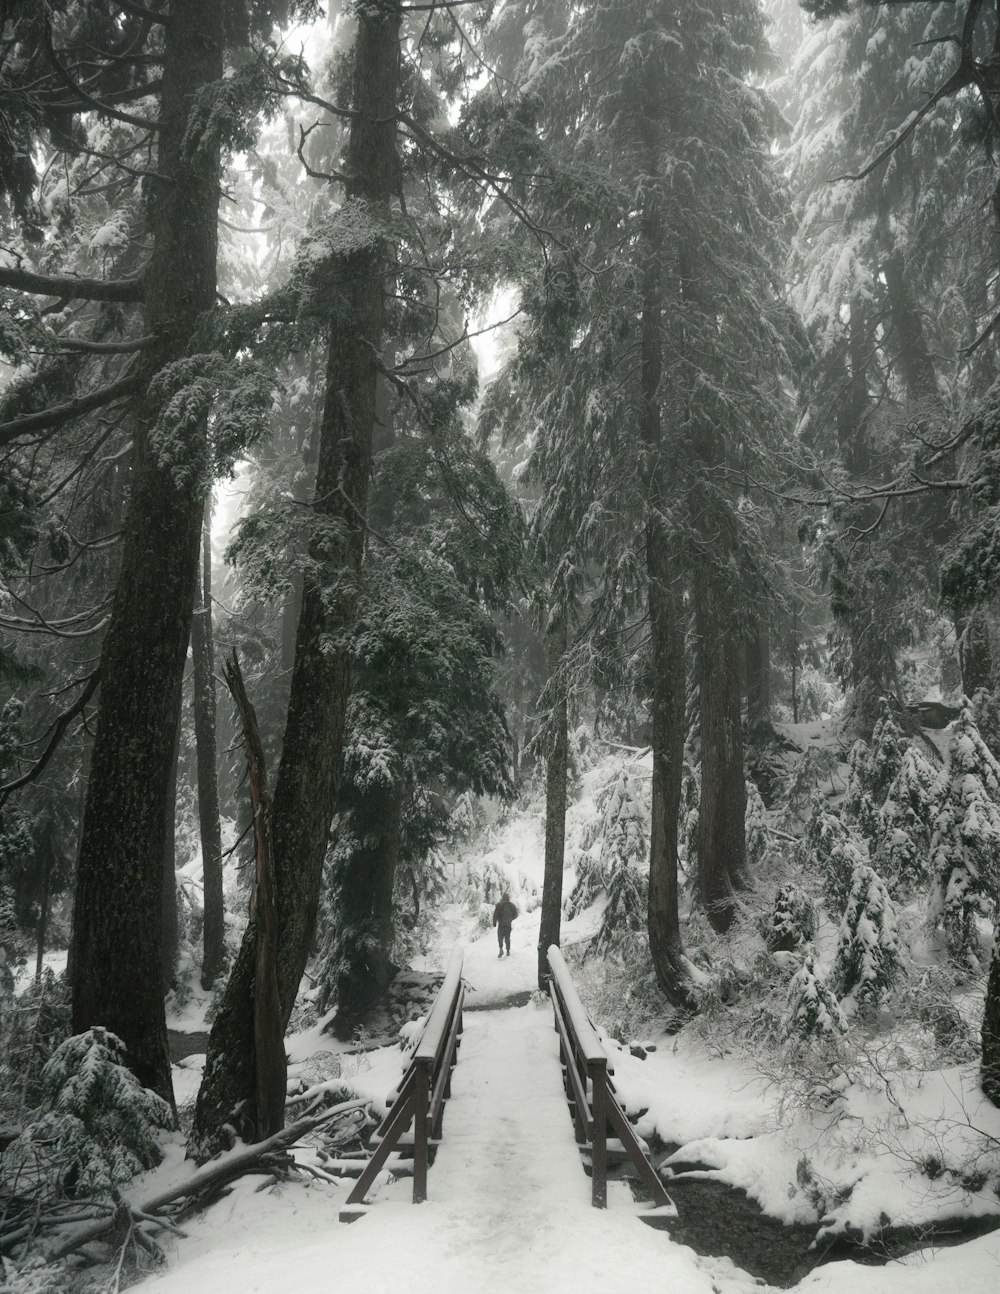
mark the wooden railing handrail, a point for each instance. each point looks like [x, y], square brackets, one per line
[419, 1098]
[584, 1033]
[591, 1092]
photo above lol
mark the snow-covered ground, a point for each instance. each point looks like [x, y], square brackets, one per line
[509, 1201]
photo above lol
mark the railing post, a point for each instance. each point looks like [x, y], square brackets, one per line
[598, 1074]
[421, 1100]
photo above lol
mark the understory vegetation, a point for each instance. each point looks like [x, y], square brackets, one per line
[568, 431]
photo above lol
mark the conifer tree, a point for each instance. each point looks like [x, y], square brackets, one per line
[812, 1011]
[965, 849]
[757, 836]
[906, 822]
[868, 958]
[623, 853]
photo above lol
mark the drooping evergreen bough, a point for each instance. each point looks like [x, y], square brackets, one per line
[95, 1126]
[812, 1012]
[868, 959]
[965, 849]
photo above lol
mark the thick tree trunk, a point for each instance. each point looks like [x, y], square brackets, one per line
[203, 694]
[722, 808]
[364, 883]
[665, 614]
[990, 1073]
[555, 805]
[116, 955]
[667, 632]
[169, 924]
[306, 787]
[270, 1067]
[758, 677]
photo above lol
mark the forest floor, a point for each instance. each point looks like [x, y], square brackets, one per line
[894, 1162]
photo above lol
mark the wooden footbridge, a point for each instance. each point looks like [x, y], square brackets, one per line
[515, 1073]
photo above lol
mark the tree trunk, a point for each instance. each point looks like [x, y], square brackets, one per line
[204, 705]
[169, 931]
[758, 677]
[722, 808]
[363, 889]
[306, 788]
[555, 805]
[116, 955]
[270, 1068]
[43, 905]
[665, 613]
[990, 1072]
[666, 629]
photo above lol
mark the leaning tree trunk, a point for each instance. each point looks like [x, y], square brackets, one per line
[555, 803]
[116, 955]
[306, 788]
[722, 807]
[203, 694]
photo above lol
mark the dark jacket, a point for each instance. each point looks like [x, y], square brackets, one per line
[504, 913]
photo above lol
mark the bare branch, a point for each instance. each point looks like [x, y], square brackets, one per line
[86, 99]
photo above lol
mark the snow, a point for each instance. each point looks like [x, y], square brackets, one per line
[508, 1197]
[509, 1202]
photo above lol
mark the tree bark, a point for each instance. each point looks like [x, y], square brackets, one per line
[363, 887]
[722, 808]
[270, 1069]
[758, 677]
[306, 788]
[990, 1071]
[116, 957]
[204, 705]
[555, 804]
[169, 925]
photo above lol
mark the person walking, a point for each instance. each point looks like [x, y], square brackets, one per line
[503, 918]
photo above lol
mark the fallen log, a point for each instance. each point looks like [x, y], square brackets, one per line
[218, 1172]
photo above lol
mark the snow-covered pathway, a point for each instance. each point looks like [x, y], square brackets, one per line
[509, 1205]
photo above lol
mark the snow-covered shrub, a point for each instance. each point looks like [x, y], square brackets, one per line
[906, 821]
[755, 818]
[812, 1011]
[484, 885]
[624, 849]
[885, 757]
[591, 884]
[868, 960]
[965, 849]
[831, 851]
[793, 919]
[94, 1129]
[32, 1025]
[804, 781]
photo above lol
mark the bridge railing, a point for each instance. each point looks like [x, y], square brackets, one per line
[591, 1093]
[419, 1099]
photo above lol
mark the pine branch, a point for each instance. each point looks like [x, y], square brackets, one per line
[57, 414]
[66, 287]
[103, 347]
